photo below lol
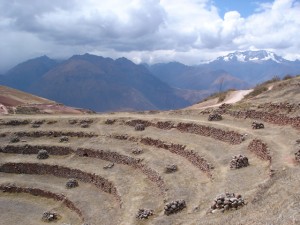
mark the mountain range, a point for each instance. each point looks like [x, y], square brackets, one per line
[237, 70]
[104, 84]
[95, 82]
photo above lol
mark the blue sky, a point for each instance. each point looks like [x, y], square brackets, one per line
[244, 7]
[149, 31]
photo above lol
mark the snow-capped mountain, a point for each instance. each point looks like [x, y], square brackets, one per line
[254, 66]
[252, 56]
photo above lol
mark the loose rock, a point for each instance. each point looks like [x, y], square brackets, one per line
[214, 117]
[137, 151]
[109, 166]
[109, 122]
[42, 154]
[85, 125]
[174, 207]
[72, 183]
[35, 125]
[14, 140]
[50, 216]
[139, 127]
[239, 161]
[257, 125]
[144, 213]
[171, 168]
[227, 201]
[63, 139]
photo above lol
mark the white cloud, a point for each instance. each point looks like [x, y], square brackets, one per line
[143, 30]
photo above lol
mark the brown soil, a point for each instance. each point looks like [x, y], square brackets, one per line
[202, 151]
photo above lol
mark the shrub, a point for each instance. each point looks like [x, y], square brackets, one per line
[287, 77]
[257, 91]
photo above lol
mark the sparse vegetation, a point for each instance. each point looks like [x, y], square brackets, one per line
[130, 166]
[256, 91]
[287, 77]
[220, 95]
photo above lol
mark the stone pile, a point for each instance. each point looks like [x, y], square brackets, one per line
[73, 121]
[15, 140]
[260, 148]
[137, 151]
[214, 117]
[297, 156]
[227, 201]
[109, 166]
[35, 125]
[72, 183]
[174, 207]
[144, 213]
[50, 216]
[109, 122]
[63, 139]
[257, 125]
[171, 168]
[85, 125]
[139, 127]
[42, 154]
[239, 161]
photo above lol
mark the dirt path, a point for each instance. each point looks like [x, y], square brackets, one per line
[232, 97]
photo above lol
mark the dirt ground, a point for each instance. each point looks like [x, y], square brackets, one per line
[270, 199]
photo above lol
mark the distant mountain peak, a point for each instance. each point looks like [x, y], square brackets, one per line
[251, 56]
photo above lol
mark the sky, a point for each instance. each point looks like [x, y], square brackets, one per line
[146, 31]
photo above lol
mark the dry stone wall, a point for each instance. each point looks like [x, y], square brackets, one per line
[34, 149]
[60, 171]
[42, 193]
[126, 160]
[260, 149]
[190, 155]
[231, 137]
[273, 118]
[55, 134]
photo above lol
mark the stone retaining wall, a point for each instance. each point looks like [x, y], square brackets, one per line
[34, 149]
[231, 137]
[190, 155]
[273, 118]
[60, 171]
[126, 160]
[260, 149]
[54, 134]
[42, 193]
